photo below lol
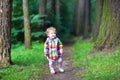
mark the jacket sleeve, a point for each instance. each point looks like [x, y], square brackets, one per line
[60, 48]
[46, 47]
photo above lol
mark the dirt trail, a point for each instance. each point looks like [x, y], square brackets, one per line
[69, 73]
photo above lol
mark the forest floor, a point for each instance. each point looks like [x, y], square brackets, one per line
[70, 72]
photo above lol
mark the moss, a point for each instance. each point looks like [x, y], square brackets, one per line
[109, 28]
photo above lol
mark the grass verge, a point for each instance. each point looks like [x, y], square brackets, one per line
[99, 66]
[28, 63]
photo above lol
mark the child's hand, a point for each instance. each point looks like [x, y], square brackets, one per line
[47, 55]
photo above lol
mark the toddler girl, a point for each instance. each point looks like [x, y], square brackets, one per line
[53, 50]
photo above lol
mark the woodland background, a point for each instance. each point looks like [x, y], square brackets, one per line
[93, 24]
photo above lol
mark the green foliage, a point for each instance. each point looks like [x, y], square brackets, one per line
[99, 66]
[18, 19]
[81, 50]
[38, 34]
[23, 56]
[16, 72]
[34, 6]
[63, 32]
[65, 25]
[28, 63]
[35, 19]
[15, 33]
[93, 13]
[17, 8]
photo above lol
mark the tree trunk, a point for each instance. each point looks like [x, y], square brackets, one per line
[52, 7]
[87, 29]
[79, 17]
[51, 12]
[77, 29]
[99, 6]
[109, 34]
[42, 12]
[5, 32]
[27, 31]
[58, 22]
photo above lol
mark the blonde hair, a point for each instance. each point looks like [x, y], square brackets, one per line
[50, 29]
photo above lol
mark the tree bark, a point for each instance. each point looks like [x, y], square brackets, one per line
[58, 9]
[51, 12]
[109, 34]
[58, 21]
[52, 6]
[5, 32]
[79, 17]
[87, 29]
[42, 12]
[99, 6]
[27, 30]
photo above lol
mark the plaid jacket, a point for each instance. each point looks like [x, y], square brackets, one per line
[53, 48]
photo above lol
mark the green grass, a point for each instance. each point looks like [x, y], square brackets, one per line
[23, 56]
[99, 66]
[28, 63]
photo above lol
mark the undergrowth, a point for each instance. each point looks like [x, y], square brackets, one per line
[27, 63]
[97, 66]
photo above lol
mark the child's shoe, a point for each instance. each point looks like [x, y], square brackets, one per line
[52, 71]
[61, 70]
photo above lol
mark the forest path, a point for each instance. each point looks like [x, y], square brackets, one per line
[69, 73]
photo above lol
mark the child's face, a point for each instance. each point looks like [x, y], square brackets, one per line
[52, 34]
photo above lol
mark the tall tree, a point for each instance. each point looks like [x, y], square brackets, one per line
[79, 17]
[109, 34]
[51, 9]
[51, 6]
[5, 31]
[42, 12]
[27, 30]
[87, 28]
[98, 10]
[58, 21]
